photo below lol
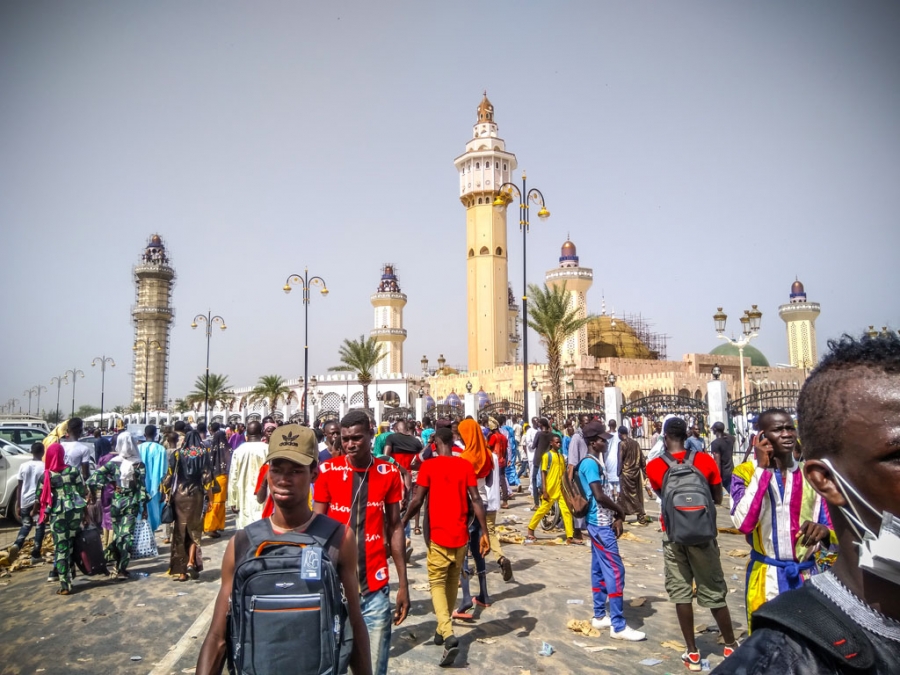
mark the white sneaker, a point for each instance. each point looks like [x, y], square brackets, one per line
[605, 622]
[626, 633]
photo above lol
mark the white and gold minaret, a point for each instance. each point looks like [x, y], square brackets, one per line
[153, 316]
[577, 280]
[389, 302]
[483, 167]
[800, 317]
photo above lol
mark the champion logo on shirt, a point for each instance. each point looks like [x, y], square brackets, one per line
[381, 574]
[385, 468]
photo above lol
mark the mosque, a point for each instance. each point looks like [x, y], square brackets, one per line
[621, 353]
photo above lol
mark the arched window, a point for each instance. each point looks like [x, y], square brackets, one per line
[477, 165]
[504, 166]
[499, 251]
[496, 165]
[479, 200]
[471, 253]
[484, 250]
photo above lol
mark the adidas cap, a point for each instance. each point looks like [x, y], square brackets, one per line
[295, 443]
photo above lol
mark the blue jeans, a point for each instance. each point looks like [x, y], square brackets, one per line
[376, 612]
[607, 574]
[29, 522]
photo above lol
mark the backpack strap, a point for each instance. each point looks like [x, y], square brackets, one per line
[323, 529]
[810, 617]
[689, 459]
[667, 457]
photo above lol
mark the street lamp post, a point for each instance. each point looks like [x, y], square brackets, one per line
[29, 393]
[503, 199]
[305, 282]
[749, 329]
[208, 319]
[58, 381]
[75, 373]
[103, 360]
[11, 405]
[146, 343]
[39, 388]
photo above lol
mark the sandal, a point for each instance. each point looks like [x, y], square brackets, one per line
[63, 591]
[575, 542]
[463, 616]
[192, 572]
[181, 577]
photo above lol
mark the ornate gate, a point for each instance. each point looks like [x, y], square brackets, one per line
[503, 407]
[654, 408]
[397, 413]
[442, 411]
[566, 407]
[763, 400]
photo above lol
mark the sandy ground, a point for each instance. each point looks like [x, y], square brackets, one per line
[105, 624]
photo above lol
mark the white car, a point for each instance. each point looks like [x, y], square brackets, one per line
[11, 458]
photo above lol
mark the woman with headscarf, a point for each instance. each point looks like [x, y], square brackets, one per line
[188, 479]
[60, 500]
[220, 464]
[127, 473]
[477, 452]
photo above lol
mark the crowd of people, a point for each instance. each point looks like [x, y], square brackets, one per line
[821, 520]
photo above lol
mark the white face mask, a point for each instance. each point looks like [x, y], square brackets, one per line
[878, 554]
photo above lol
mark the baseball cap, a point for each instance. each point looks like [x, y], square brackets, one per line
[295, 443]
[595, 429]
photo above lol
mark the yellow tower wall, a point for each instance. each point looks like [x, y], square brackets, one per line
[487, 275]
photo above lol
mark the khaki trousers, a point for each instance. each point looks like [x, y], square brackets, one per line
[496, 549]
[444, 565]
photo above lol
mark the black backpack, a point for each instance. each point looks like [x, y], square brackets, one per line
[573, 491]
[689, 512]
[282, 619]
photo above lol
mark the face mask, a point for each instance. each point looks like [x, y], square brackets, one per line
[878, 554]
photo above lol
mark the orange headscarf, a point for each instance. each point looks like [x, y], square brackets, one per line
[476, 451]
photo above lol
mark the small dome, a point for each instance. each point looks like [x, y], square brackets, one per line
[757, 358]
[482, 399]
[797, 288]
[568, 249]
[429, 402]
[452, 399]
[485, 110]
[155, 241]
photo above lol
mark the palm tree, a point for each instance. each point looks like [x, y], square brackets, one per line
[219, 391]
[360, 357]
[269, 390]
[181, 406]
[551, 317]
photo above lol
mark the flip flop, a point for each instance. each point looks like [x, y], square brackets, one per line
[463, 616]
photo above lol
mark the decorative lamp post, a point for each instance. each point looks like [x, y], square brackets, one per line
[58, 381]
[11, 404]
[750, 322]
[534, 386]
[75, 373]
[146, 343]
[424, 363]
[208, 320]
[872, 333]
[610, 380]
[305, 282]
[441, 363]
[504, 198]
[103, 360]
[469, 387]
[716, 372]
[39, 388]
[31, 392]
[421, 392]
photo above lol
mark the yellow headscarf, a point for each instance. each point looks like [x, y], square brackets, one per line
[55, 436]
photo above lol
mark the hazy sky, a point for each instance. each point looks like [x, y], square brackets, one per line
[700, 154]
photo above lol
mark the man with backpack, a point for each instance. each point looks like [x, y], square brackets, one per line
[689, 486]
[604, 520]
[291, 581]
[362, 491]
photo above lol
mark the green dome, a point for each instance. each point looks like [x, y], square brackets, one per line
[757, 358]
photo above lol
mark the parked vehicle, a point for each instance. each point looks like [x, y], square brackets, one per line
[11, 458]
[24, 421]
[24, 437]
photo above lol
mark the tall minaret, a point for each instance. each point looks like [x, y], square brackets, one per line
[800, 317]
[152, 315]
[578, 280]
[389, 302]
[483, 167]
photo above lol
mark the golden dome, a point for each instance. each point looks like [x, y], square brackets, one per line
[609, 337]
[797, 288]
[568, 249]
[485, 110]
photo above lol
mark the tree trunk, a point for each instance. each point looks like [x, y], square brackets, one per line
[365, 387]
[553, 367]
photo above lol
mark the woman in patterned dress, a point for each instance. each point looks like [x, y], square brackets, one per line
[128, 475]
[60, 500]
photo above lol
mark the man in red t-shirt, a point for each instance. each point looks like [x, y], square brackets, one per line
[449, 483]
[685, 565]
[358, 490]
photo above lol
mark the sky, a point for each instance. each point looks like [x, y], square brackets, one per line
[699, 154]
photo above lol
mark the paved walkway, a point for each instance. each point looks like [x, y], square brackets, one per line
[104, 624]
